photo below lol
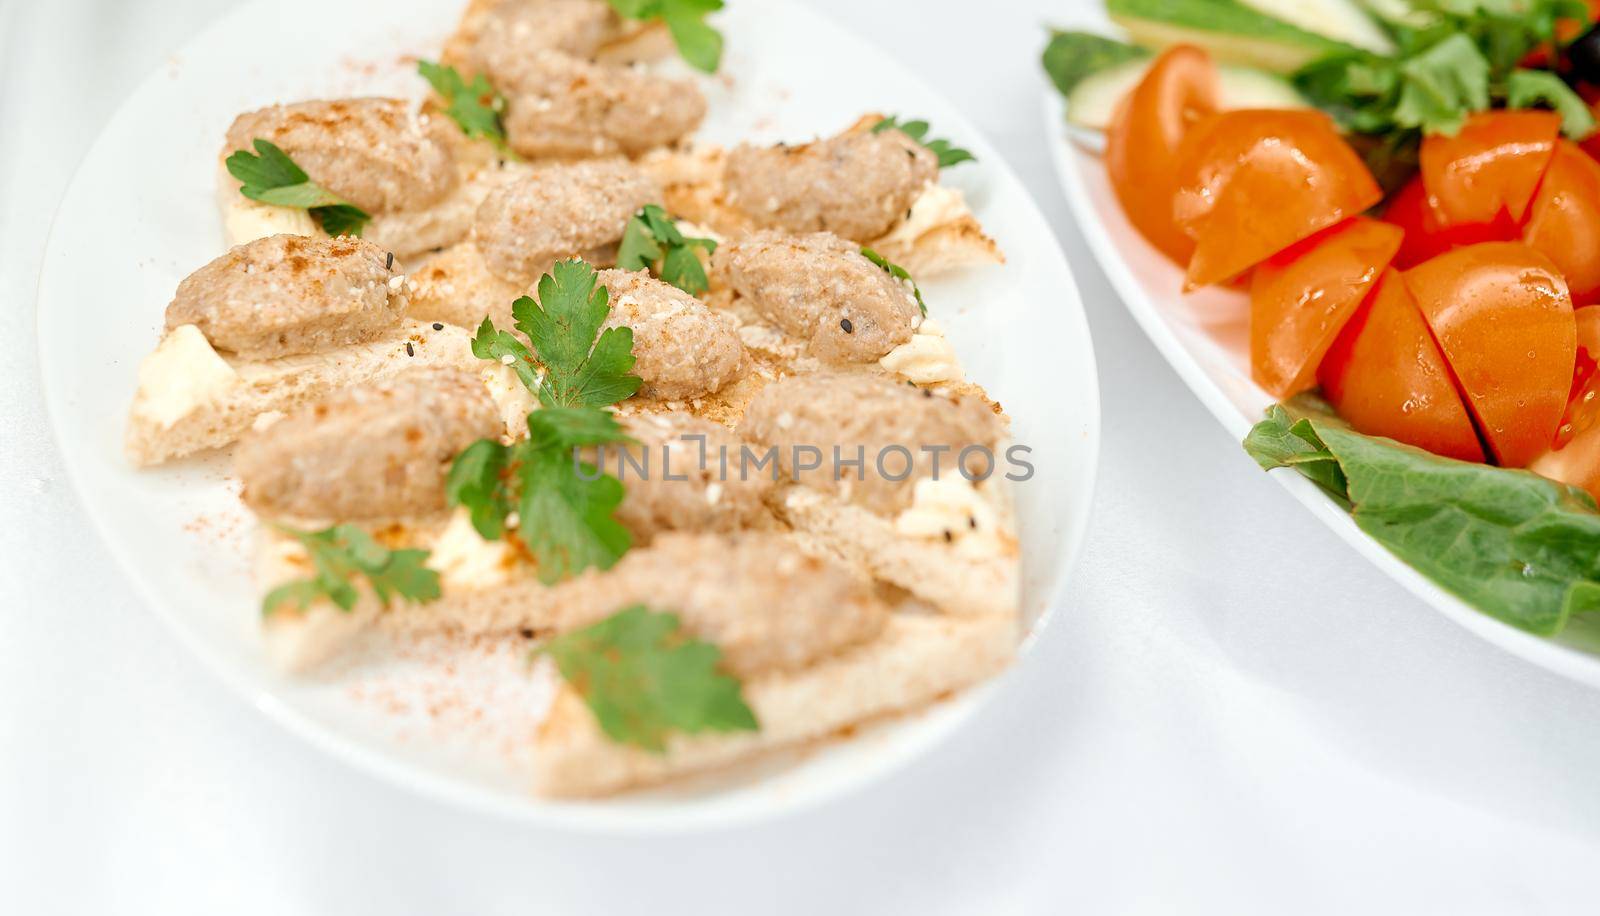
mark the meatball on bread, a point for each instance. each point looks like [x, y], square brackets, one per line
[589, 27]
[570, 74]
[875, 188]
[418, 177]
[522, 227]
[276, 324]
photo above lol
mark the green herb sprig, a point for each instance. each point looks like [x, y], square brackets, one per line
[652, 241]
[644, 679]
[270, 176]
[565, 506]
[697, 41]
[947, 153]
[343, 554]
[475, 106]
[896, 271]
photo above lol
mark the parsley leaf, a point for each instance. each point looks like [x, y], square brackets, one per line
[644, 679]
[507, 349]
[1530, 88]
[345, 552]
[475, 107]
[896, 271]
[947, 153]
[651, 238]
[565, 505]
[271, 177]
[698, 42]
[582, 370]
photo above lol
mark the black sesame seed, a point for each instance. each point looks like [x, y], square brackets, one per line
[526, 633]
[848, 327]
[388, 263]
[410, 350]
[927, 393]
[948, 537]
[437, 326]
[972, 523]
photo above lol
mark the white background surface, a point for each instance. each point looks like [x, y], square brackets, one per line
[1233, 713]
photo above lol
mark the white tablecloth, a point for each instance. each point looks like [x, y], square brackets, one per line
[1232, 713]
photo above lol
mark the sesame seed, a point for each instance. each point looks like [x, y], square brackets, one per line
[437, 326]
[388, 263]
[848, 327]
[410, 350]
[948, 537]
[972, 522]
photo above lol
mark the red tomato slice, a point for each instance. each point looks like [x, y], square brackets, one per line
[1583, 404]
[1142, 142]
[1253, 183]
[1592, 96]
[1576, 456]
[1301, 298]
[1564, 223]
[1503, 317]
[1427, 238]
[1493, 164]
[1386, 377]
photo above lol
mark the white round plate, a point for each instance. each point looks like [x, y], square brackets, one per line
[449, 720]
[1203, 336]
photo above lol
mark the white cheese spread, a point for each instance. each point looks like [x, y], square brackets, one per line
[464, 560]
[927, 358]
[181, 375]
[936, 206]
[953, 510]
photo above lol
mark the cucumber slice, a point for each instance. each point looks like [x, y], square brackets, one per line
[1340, 20]
[1231, 31]
[1244, 87]
[1094, 100]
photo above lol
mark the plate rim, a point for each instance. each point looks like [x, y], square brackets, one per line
[1067, 159]
[578, 817]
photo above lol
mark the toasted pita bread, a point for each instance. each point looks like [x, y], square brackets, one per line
[918, 659]
[246, 390]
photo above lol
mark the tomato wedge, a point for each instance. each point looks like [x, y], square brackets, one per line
[1576, 457]
[1503, 317]
[1302, 297]
[1252, 183]
[1427, 237]
[1493, 164]
[1386, 376]
[1142, 142]
[1564, 223]
[1592, 144]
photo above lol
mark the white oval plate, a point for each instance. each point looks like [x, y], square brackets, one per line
[453, 721]
[1204, 337]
